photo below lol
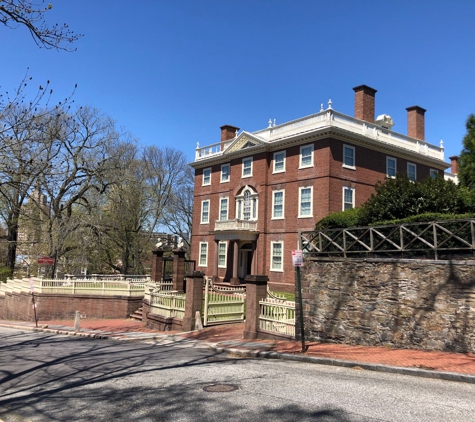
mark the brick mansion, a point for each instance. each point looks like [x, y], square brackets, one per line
[254, 191]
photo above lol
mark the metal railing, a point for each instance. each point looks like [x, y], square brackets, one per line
[435, 238]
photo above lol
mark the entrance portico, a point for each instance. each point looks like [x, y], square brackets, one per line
[241, 236]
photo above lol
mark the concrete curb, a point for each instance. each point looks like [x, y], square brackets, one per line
[423, 373]
[246, 353]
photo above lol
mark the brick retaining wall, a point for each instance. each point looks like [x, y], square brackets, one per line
[18, 306]
[417, 304]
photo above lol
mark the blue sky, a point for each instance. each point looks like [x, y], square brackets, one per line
[172, 72]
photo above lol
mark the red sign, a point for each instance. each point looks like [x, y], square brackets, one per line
[45, 260]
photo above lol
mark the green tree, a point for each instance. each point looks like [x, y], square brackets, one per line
[467, 156]
[400, 198]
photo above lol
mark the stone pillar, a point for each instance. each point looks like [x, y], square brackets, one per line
[216, 259]
[256, 290]
[194, 299]
[235, 280]
[157, 265]
[179, 270]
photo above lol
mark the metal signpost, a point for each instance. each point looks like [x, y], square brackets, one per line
[297, 261]
[33, 304]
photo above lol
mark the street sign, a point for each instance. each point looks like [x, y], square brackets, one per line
[45, 260]
[32, 287]
[297, 258]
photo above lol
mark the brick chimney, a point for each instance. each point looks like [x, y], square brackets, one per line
[455, 164]
[415, 122]
[364, 103]
[228, 132]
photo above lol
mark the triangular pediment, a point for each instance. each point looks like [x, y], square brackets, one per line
[243, 141]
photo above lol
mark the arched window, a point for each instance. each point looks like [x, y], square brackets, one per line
[246, 204]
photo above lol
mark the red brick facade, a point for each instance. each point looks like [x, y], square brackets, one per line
[18, 306]
[327, 177]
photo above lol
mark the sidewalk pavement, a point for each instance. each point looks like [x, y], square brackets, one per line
[228, 339]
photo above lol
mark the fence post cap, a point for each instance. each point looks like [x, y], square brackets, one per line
[195, 274]
[256, 279]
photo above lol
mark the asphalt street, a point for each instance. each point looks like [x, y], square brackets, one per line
[48, 377]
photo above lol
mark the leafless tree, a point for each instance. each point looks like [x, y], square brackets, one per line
[178, 214]
[31, 15]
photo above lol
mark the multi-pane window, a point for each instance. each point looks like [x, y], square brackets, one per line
[205, 211]
[434, 173]
[203, 254]
[247, 167]
[411, 171]
[305, 202]
[278, 204]
[348, 198]
[348, 156]
[391, 167]
[246, 205]
[225, 173]
[306, 156]
[279, 162]
[207, 176]
[222, 254]
[223, 209]
[276, 263]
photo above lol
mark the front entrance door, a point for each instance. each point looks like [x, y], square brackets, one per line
[245, 260]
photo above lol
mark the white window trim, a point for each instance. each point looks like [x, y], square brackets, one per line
[281, 269]
[433, 173]
[209, 208]
[415, 170]
[225, 254]
[227, 208]
[206, 184]
[387, 167]
[300, 202]
[283, 204]
[240, 199]
[353, 167]
[229, 173]
[279, 171]
[206, 259]
[343, 197]
[311, 156]
[252, 162]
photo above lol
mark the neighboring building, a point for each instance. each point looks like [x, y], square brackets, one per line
[255, 191]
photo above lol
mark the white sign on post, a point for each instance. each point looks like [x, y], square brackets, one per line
[32, 287]
[297, 258]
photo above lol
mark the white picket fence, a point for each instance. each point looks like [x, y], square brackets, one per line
[167, 304]
[277, 315]
[222, 304]
[78, 286]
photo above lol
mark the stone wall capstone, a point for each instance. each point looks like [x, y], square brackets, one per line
[401, 303]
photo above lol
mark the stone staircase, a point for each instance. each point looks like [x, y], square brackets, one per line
[137, 315]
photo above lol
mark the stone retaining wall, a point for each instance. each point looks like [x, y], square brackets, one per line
[18, 306]
[402, 303]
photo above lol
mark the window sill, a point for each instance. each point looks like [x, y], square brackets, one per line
[348, 167]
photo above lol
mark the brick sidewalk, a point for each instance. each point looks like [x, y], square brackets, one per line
[232, 333]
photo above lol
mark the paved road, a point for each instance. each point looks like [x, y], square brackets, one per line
[45, 377]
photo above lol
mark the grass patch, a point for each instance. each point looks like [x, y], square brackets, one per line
[285, 295]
